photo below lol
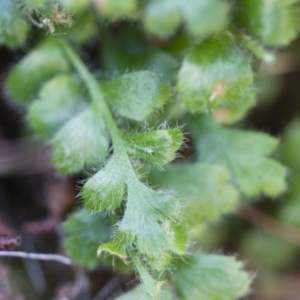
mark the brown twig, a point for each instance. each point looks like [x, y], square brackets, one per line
[267, 223]
[109, 287]
[18, 157]
[5, 287]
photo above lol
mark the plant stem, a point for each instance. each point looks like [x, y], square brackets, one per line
[94, 91]
[152, 286]
[255, 47]
[98, 100]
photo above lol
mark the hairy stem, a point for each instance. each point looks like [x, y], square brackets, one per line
[94, 91]
[98, 100]
[255, 47]
[153, 287]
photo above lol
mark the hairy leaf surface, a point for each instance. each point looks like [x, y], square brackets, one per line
[81, 141]
[231, 114]
[150, 222]
[215, 74]
[41, 64]
[85, 232]
[274, 22]
[135, 95]
[106, 189]
[47, 114]
[157, 147]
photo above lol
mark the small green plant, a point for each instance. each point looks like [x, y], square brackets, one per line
[173, 67]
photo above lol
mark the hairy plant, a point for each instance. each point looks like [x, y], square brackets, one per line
[172, 67]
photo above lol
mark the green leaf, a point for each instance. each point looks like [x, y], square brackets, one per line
[152, 286]
[157, 147]
[274, 22]
[137, 94]
[140, 294]
[289, 149]
[161, 62]
[234, 113]
[211, 277]
[47, 114]
[170, 236]
[113, 249]
[215, 74]
[198, 16]
[85, 232]
[118, 56]
[84, 29]
[106, 189]
[255, 47]
[81, 141]
[267, 251]
[116, 9]
[290, 212]
[244, 153]
[205, 189]
[41, 64]
[150, 224]
[163, 17]
[178, 236]
[149, 221]
[137, 293]
[289, 154]
[77, 6]
[13, 27]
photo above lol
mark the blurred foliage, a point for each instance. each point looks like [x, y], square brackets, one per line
[160, 68]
